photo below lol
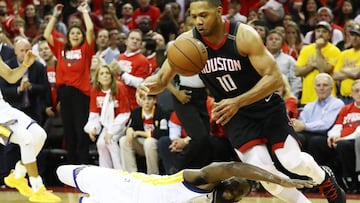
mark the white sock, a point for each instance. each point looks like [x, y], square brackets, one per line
[36, 183]
[20, 170]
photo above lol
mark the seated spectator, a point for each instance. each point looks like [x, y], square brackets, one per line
[340, 141]
[148, 123]
[317, 117]
[109, 114]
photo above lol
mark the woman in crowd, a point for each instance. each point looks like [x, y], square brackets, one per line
[109, 114]
[73, 80]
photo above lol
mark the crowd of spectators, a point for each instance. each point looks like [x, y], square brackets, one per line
[93, 55]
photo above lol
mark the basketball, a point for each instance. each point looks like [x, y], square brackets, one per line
[187, 56]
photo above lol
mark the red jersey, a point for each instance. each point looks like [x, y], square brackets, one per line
[349, 118]
[121, 103]
[153, 13]
[136, 65]
[73, 67]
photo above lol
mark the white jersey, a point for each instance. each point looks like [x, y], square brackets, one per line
[125, 187]
[7, 112]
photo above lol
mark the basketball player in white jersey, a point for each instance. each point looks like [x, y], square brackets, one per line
[221, 182]
[16, 127]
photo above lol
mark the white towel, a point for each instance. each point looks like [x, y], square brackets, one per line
[107, 111]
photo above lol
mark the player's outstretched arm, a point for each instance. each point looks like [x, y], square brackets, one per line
[214, 173]
[156, 83]
[13, 75]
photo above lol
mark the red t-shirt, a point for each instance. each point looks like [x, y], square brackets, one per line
[74, 69]
[135, 64]
[349, 118]
[121, 100]
[153, 13]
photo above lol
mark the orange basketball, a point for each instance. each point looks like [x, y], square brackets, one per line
[187, 56]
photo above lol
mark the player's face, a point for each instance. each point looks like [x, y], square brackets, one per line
[205, 17]
[232, 190]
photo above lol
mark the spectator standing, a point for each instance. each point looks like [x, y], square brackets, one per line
[145, 10]
[103, 47]
[148, 123]
[325, 14]
[346, 42]
[285, 62]
[134, 66]
[73, 81]
[32, 22]
[347, 68]
[109, 114]
[318, 57]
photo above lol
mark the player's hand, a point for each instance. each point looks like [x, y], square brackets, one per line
[223, 111]
[145, 88]
[183, 96]
[297, 183]
[29, 59]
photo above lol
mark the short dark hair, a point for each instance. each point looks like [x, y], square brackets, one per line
[214, 3]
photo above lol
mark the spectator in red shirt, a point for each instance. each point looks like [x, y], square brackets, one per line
[109, 114]
[146, 11]
[133, 65]
[73, 81]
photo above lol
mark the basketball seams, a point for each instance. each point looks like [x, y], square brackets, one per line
[197, 48]
[184, 59]
[183, 53]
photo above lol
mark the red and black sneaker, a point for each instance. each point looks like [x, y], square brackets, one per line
[330, 188]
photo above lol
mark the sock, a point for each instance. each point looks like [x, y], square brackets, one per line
[36, 183]
[20, 170]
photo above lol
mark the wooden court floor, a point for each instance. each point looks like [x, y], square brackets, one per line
[69, 195]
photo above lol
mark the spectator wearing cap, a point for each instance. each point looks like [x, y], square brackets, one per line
[325, 14]
[315, 58]
[347, 68]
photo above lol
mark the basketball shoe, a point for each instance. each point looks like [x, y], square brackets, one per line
[330, 188]
[21, 184]
[44, 195]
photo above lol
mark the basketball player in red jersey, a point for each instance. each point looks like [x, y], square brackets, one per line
[253, 115]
